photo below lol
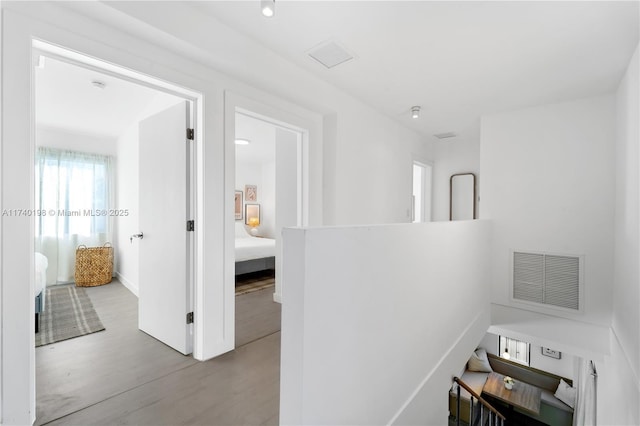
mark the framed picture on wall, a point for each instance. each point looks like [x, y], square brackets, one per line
[551, 353]
[238, 205]
[252, 192]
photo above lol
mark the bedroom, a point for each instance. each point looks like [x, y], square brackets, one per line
[267, 198]
[267, 191]
[87, 141]
[83, 113]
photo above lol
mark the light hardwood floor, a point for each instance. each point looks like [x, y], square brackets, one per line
[257, 315]
[123, 376]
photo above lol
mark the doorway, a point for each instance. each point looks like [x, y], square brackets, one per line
[421, 194]
[267, 199]
[74, 125]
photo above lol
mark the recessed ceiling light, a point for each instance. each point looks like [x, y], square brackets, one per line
[99, 84]
[242, 141]
[415, 111]
[268, 8]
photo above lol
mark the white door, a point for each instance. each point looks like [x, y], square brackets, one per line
[164, 247]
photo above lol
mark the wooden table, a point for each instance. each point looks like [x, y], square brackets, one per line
[523, 395]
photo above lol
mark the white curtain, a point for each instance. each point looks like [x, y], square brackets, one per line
[73, 198]
[585, 410]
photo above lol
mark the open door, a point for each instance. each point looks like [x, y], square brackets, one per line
[164, 301]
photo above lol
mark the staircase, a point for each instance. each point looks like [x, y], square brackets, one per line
[481, 413]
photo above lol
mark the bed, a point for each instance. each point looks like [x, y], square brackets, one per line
[253, 253]
[41, 264]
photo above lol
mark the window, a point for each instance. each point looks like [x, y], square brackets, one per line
[515, 350]
[421, 192]
[73, 198]
[72, 192]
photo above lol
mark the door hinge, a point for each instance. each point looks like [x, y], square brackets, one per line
[190, 318]
[191, 226]
[190, 134]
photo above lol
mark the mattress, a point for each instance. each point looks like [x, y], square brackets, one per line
[41, 263]
[249, 247]
[254, 248]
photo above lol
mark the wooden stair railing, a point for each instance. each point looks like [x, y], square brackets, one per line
[494, 418]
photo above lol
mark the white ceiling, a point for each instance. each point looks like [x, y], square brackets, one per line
[262, 138]
[66, 99]
[458, 60]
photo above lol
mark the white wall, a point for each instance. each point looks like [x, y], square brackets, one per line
[372, 167]
[565, 366]
[257, 174]
[73, 141]
[125, 252]
[625, 359]
[268, 196]
[456, 155]
[548, 185]
[288, 195]
[618, 394]
[368, 327]
[489, 343]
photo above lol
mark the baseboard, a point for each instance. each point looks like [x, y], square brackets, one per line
[128, 284]
[277, 298]
[631, 365]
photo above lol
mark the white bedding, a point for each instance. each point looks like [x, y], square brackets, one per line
[41, 263]
[249, 247]
[254, 248]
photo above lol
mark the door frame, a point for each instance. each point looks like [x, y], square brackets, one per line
[423, 164]
[302, 192]
[284, 116]
[195, 267]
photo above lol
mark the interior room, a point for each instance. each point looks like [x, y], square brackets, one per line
[86, 111]
[464, 235]
[266, 199]
[87, 140]
[87, 191]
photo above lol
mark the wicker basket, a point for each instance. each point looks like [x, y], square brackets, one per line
[94, 265]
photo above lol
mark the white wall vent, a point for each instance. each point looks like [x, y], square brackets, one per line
[330, 54]
[546, 279]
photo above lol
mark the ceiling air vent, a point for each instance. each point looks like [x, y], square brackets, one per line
[545, 279]
[330, 54]
[445, 135]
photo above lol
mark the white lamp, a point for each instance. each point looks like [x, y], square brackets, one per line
[415, 111]
[254, 222]
[505, 354]
[252, 217]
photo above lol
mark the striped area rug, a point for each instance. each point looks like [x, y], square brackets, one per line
[248, 283]
[68, 313]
